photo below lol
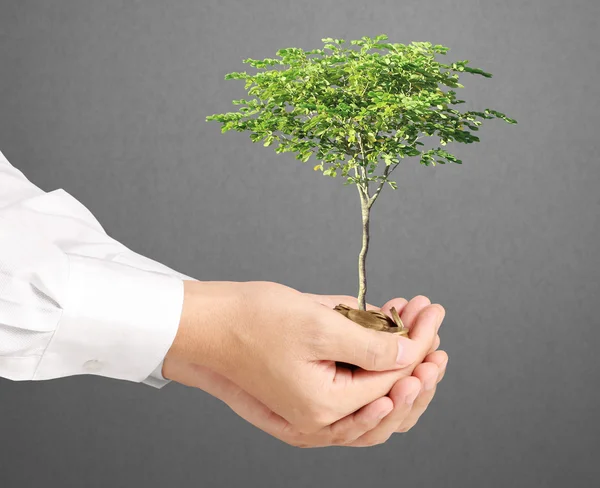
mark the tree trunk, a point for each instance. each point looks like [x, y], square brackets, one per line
[362, 257]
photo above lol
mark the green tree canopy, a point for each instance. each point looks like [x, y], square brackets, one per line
[352, 108]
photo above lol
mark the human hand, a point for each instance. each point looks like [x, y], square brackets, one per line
[430, 372]
[359, 429]
[280, 346]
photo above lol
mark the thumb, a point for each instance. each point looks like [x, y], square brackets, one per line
[369, 349]
[382, 351]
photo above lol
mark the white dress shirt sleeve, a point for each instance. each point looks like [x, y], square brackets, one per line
[72, 299]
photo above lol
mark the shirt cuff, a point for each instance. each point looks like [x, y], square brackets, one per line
[118, 321]
[156, 379]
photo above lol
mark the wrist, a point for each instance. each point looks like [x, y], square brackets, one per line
[208, 312]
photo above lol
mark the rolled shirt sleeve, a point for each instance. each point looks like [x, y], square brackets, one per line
[72, 299]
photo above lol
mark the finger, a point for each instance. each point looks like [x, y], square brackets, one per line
[422, 330]
[439, 358]
[413, 308]
[436, 344]
[428, 375]
[402, 395]
[410, 311]
[442, 364]
[348, 342]
[397, 303]
[353, 426]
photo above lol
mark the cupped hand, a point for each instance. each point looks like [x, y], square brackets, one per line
[410, 397]
[370, 425]
[281, 347]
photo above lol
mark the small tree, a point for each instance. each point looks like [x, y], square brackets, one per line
[359, 111]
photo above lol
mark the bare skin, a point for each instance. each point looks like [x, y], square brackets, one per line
[269, 352]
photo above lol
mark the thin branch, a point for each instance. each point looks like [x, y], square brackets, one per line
[393, 168]
[386, 173]
[378, 191]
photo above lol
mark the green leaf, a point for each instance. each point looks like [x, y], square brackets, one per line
[477, 71]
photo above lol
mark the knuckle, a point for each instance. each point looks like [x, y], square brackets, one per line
[340, 440]
[344, 435]
[288, 431]
[347, 437]
[376, 353]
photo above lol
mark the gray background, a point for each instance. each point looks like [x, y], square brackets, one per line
[107, 100]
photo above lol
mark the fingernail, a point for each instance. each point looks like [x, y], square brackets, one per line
[443, 366]
[383, 413]
[430, 384]
[411, 397]
[399, 357]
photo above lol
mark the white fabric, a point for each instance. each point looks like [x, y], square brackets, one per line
[72, 299]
